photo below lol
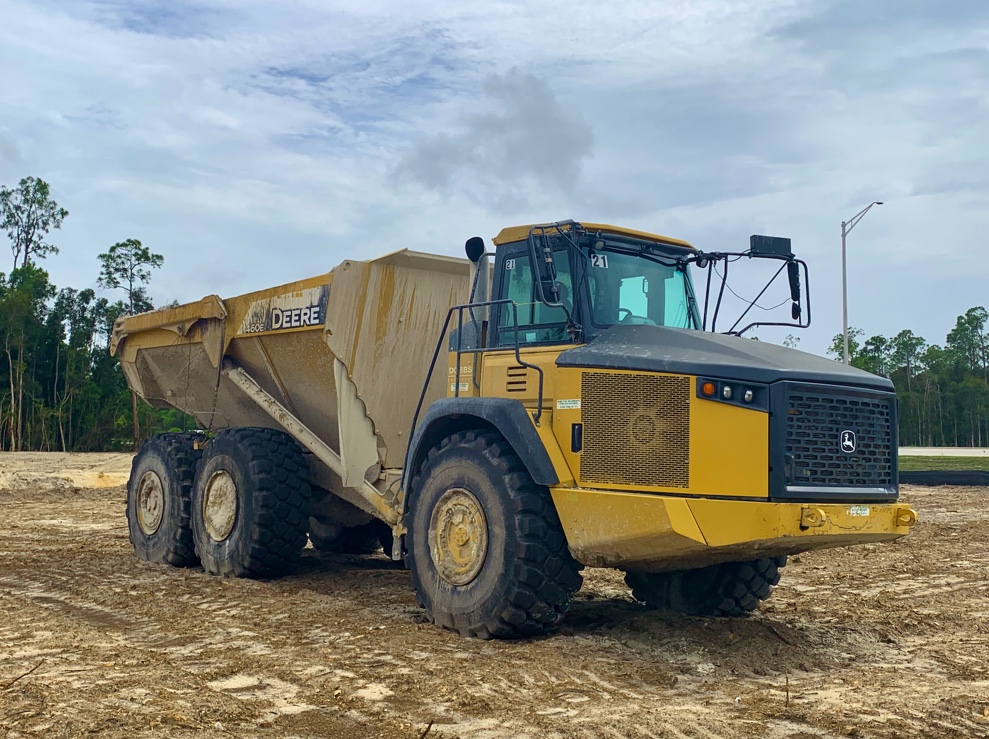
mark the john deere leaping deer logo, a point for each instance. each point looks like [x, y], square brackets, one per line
[848, 442]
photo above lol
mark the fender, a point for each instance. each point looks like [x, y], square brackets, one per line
[504, 415]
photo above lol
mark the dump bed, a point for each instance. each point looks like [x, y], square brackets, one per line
[344, 353]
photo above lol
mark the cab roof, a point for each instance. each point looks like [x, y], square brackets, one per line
[520, 233]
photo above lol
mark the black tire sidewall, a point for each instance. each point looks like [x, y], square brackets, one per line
[486, 592]
[222, 557]
[727, 589]
[169, 543]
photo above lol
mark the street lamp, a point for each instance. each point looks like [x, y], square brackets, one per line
[846, 228]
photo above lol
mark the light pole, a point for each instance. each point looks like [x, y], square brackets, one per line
[846, 228]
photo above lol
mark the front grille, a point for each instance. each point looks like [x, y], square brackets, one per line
[636, 430]
[816, 423]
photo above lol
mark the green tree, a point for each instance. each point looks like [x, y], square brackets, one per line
[906, 351]
[837, 348]
[970, 342]
[127, 265]
[874, 356]
[59, 386]
[23, 306]
[28, 213]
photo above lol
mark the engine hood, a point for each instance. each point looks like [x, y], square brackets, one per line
[686, 352]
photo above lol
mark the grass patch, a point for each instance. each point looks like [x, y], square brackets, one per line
[924, 464]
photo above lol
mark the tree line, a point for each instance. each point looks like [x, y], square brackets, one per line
[943, 391]
[60, 390]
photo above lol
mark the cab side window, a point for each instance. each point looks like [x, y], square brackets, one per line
[538, 322]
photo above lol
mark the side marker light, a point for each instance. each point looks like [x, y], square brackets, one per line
[708, 389]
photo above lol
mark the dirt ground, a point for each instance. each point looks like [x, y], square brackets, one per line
[879, 641]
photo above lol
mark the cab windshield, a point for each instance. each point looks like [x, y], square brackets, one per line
[634, 289]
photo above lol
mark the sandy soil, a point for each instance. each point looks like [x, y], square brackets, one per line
[879, 641]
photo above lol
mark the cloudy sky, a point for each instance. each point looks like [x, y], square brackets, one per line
[253, 142]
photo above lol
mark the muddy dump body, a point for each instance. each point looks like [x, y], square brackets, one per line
[344, 353]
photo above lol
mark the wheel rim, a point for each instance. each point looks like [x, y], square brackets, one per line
[458, 536]
[220, 505]
[150, 502]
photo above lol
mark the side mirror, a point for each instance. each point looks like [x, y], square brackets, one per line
[551, 290]
[793, 275]
[474, 248]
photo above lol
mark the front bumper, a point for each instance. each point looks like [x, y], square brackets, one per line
[656, 533]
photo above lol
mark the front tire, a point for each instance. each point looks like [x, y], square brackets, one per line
[159, 494]
[487, 553]
[250, 503]
[729, 589]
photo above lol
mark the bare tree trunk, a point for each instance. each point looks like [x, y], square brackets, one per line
[20, 398]
[3, 420]
[940, 415]
[67, 395]
[137, 428]
[13, 398]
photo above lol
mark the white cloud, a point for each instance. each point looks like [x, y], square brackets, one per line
[255, 142]
[527, 148]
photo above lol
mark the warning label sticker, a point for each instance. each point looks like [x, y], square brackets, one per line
[568, 405]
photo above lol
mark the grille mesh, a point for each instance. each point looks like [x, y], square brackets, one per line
[814, 424]
[636, 430]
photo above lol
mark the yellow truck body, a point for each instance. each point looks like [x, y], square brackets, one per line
[644, 471]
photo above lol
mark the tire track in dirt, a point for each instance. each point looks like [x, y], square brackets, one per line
[883, 641]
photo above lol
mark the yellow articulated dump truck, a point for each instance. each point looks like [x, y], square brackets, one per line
[499, 422]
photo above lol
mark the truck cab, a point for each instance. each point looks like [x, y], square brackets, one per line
[610, 276]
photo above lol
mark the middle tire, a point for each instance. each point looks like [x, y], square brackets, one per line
[728, 589]
[487, 553]
[250, 503]
[362, 539]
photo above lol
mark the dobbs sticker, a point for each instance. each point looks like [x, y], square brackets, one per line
[292, 310]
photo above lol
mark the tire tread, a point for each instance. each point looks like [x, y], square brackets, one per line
[179, 457]
[538, 599]
[280, 476]
[728, 589]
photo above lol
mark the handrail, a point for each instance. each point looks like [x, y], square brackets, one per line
[460, 351]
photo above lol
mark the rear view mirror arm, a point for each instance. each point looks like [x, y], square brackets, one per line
[799, 323]
[756, 298]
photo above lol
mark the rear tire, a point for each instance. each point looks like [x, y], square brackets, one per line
[486, 550]
[159, 492]
[250, 503]
[729, 589]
